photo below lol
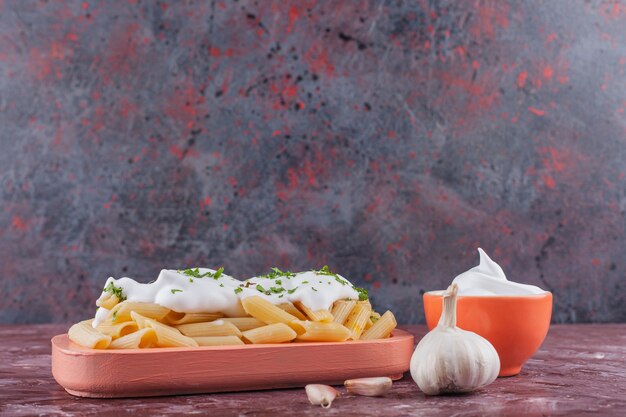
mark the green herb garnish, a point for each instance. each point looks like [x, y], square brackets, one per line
[363, 295]
[195, 273]
[279, 282]
[305, 282]
[221, 285]
[341, 281]
[114, 317]
[116, 291]
[238, 290]
[277, 290]
[292, 290]
[175, 290]
[374, 319]
[218, 273]
[313, 288]
[277, 273]
[260, 288]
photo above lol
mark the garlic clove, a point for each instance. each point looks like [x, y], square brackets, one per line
[370, 387]
[319, 394]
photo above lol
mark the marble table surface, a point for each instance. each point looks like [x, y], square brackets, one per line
[579, 370]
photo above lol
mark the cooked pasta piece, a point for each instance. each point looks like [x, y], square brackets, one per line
[244, 323]
[318, 315]
[268, 313]
[107, 300]
[121, 312]
[341, 310]
[85, 335]
[371, 319]
[218, 340]
[116, 330]
[291, 309]
[382, 328]
[272, 333]
[357, 319]
[323, 332]
[142, 322]
[140, 339]
[168, 336]
[174, 318]
[211, 328]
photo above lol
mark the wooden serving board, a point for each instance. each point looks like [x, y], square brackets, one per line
[170, 371]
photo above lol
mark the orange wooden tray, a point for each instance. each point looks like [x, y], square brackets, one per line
[169, 371]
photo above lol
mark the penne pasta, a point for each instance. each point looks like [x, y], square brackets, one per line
[140, 339]
[323, 332]
[341, 310]
[121, 312]
[168, 336]
[272, 333]
[357, 319]
[107, 301]
[318, 315]
[382, 328]
[117, 330]
[141, 321]
[277, 307]
[291, 309]
[270, 314]
[174, 318]
[85, 335]
[244, 323]
[218, 340]
[213, 328]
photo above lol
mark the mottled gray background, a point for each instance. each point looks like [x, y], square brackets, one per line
[387, 139]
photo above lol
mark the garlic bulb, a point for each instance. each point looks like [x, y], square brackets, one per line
[319, 394]
[449, 359]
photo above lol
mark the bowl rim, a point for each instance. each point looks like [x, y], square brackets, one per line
[439, 293]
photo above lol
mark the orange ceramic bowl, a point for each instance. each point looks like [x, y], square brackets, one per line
[515, 325]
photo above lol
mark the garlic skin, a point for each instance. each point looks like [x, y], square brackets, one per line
[452, 360]
[370, 387]
[320, 394]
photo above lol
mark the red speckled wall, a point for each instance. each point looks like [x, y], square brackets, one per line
[385, 139]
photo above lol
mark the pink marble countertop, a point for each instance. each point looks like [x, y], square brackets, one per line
[579, 370]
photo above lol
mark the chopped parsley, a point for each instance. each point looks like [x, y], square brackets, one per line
[260, 288]
[218, 273]
[374, 319]
[221, 285]
[326, 271]
[279, 282]
[305, 282]
[341, 281]
[363, 295]
[114, 316]
[195, 273]
[292, 290]
[277, 290]
[238, 290]
[175, 290]
[116, 291]
[313, 288]
[277, 273]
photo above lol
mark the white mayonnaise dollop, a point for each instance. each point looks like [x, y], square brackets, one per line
[488, 279]
[188, 294]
